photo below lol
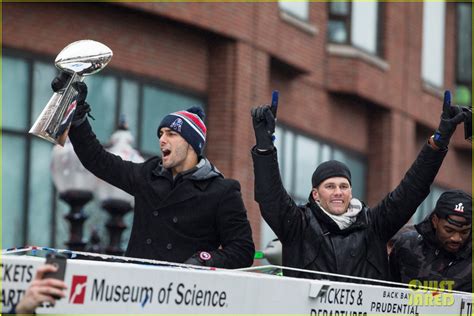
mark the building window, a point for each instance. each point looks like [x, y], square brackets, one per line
[356, 23]
[298, 157]
[432, 56]
[157, 102]
[31, 211]
[339, 22]
[297, 9]
[464, 53]
[428, 205]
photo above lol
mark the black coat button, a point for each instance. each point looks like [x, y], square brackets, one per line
[148, 241]
[155, 213]
[175, 219]
[169, 246]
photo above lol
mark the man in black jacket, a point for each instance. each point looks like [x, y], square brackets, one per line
[334, 232]
[185, 210]
[439, 248]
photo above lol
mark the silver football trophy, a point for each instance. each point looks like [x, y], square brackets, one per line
[80, 59]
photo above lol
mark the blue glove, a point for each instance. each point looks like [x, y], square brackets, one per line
[450, 118]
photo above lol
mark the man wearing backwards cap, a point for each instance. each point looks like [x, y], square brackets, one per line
[185, 211]
[335, 232]
[440, 248]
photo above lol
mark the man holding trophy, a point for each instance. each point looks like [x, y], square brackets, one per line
[185, 210]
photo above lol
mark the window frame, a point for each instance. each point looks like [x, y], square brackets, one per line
[428, 204]
[29, 59]
[458, 26]
[430, 82]
[292, 14]
[347, 19]
[322, 143]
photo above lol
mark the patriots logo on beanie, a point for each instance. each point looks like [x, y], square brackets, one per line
[190, 125]
[176, 125]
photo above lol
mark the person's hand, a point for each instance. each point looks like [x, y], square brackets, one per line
[194, 261]
[60, 81]
[82, 107]
[41, 290]
[264, 126]
[200, 258]
[450, 118]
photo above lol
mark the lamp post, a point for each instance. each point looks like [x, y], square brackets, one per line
[115, 201]
[74, 184]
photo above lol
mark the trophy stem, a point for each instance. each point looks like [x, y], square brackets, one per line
[55, 119]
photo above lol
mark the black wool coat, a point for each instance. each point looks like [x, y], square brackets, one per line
[174, 219]
[312, 241]
[417, 255]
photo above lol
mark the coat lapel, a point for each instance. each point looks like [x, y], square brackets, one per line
[161, 184]
[182, 191]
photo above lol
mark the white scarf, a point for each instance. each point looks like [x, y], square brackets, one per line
[349, 217]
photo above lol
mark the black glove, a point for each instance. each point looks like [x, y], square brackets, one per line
[264, 126]
[450, 118]
[82, 107]
[194, 261]
[201, 258]
[60, 81]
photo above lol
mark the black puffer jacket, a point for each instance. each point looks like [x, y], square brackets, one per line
[416, 255]
[312, 241]
[175, 219]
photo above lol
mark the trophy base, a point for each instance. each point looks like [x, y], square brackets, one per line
[57, 141]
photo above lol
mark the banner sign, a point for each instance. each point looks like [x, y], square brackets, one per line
[111, 287]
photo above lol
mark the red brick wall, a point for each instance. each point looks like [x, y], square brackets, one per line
[176, 55]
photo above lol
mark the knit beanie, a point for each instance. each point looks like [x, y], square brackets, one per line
[330, 169]
[190, 125]
[454, 202]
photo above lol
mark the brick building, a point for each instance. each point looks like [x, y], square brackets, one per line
[358, 82]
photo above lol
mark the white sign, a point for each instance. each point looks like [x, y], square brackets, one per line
[108, 287]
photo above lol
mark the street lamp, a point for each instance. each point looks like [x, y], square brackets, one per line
[114, 200]
[74, 184]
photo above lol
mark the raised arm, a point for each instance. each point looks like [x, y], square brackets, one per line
[277, 207]
[398, 206]
[109, 167]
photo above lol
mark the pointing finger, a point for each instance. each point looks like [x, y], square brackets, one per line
[447, 101]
